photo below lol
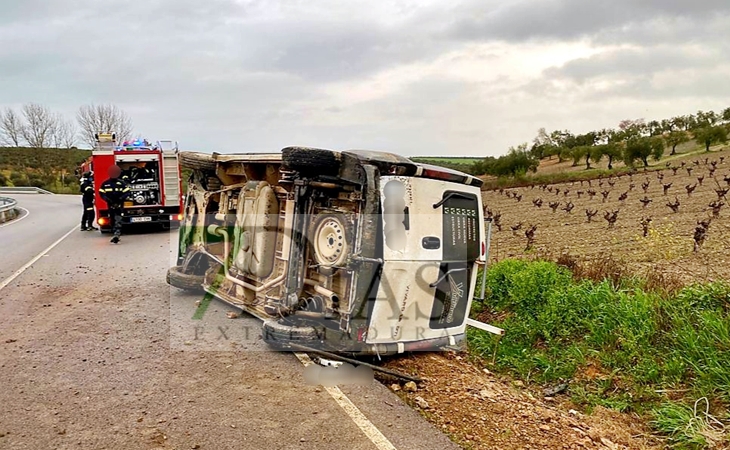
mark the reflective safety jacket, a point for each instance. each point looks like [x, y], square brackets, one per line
[87, 192]
[114, 191]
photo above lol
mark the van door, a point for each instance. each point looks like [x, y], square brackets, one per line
[432, 238]
[430, 220]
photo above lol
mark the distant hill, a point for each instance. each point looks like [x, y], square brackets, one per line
[460, 163]
[552, 170]
[52, 169]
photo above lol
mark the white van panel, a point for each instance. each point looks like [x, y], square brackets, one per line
[404, 306]
[403, 242]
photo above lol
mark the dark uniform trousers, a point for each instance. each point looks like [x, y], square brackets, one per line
[115, 215]
[114, 191]
[87, 219]
[87, 199]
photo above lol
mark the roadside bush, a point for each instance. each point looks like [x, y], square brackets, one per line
[621, 346]
[35, 180]
[521, 285]
[41, 167]
[18, 179]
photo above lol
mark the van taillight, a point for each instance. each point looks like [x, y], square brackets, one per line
[440, 175]
[484, 248]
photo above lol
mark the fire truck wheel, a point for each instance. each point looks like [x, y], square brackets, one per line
[184, 281]
[197, 161]
[311, 161]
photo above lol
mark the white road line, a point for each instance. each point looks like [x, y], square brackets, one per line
[367, 427]
[40, 255]
[27, 213]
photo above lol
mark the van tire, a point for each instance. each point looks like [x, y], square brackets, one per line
[338, 225]
[197, 161]
[311, 161]
[188, 282]
[278, 334]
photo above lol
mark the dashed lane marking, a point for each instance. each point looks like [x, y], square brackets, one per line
[367, 427]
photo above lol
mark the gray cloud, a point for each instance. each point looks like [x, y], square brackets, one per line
[571, 19]
[635, 62]
[256, 75]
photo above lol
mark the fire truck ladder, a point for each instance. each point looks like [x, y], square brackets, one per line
[170, 174]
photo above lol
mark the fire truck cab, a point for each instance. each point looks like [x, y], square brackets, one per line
[153, 174]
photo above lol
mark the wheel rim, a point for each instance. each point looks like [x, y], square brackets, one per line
[330, 246]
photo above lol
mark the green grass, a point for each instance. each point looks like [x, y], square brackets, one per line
[688, 426]
[622, 346]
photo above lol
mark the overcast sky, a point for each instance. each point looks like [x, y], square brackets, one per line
[416, 77]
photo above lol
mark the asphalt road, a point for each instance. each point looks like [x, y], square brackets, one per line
[96, 351]
[43, 219]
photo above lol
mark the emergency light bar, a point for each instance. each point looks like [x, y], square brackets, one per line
[136, 144]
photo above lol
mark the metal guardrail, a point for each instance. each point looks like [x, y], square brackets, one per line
[24, 190]
[8, 209]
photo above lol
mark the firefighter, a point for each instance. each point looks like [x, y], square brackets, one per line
[87, 199]
[114, 191]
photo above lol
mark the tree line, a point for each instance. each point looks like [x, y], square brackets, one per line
[37, 126]
[631, 141]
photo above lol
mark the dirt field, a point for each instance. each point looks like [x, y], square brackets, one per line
[668, 246]
[479, 410]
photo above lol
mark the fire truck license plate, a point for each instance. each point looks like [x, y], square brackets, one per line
[141, 219]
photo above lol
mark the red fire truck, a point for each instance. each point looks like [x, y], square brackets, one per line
[153, 175]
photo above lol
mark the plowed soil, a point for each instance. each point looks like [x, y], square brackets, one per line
[669, 245]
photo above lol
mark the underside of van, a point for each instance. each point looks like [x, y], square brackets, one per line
[354, 252]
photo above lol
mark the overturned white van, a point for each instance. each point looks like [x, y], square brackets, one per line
[353, 252]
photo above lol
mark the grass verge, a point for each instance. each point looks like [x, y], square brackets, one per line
[620, 344]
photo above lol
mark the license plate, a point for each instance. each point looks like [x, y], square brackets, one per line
[140, 219]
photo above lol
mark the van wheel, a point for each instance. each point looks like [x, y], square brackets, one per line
[197, 161]
[311, 161]
[277, 334]
[330, 240]
[184, 281]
